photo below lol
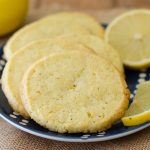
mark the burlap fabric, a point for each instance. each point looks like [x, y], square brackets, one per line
[15, 139]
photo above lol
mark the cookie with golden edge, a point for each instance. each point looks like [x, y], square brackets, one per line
[100, 47]
[52, 26]
[74, 92]
[19, 63]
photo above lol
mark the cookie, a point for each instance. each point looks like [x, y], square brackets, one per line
[52, 26]
[100, 47]
[74, 92]
[19, 63]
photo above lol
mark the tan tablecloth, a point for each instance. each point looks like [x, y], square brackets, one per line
[14, 139]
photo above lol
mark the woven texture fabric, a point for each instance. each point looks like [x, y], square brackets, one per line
[15, 139]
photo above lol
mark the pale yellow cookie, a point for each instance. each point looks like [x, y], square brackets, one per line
[19, 63]
[74, 92]
[51, 26]
[100, 47]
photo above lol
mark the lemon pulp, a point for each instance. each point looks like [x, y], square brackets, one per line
[129, 34]
[139, 111]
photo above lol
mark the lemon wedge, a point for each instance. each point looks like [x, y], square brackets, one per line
[129, 34]
[139, 110]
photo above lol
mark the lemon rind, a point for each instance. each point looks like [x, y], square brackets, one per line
[131, 64]
[136, 119]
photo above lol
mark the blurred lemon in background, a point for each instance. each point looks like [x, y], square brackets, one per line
[12, 14]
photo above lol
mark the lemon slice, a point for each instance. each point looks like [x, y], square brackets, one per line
[139, 111]
[129, 34]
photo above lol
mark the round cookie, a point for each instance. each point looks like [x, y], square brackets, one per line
[19, 63]
[51, 26]
[100, 47]
[74, 92]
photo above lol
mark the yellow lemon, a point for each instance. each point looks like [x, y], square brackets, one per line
[139, 111]
[129, 34]
[12, 14]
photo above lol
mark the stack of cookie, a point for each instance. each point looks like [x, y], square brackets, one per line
[63, 75]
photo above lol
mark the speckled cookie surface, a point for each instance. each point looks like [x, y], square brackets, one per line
[51, 26]
[19, 63]
[74, 92]
[100, 47]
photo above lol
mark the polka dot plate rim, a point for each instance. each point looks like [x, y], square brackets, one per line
[116, 131]
[80, 137]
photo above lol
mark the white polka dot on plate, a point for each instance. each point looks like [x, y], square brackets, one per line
[141, 80]
[2, 62]
[22, 123]
[15, 113]
[25, 121]
[102, 133]
[12, 116]
[134, 92]
[142, 75]
[85, 136]
[137, 86]
[131, 95]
